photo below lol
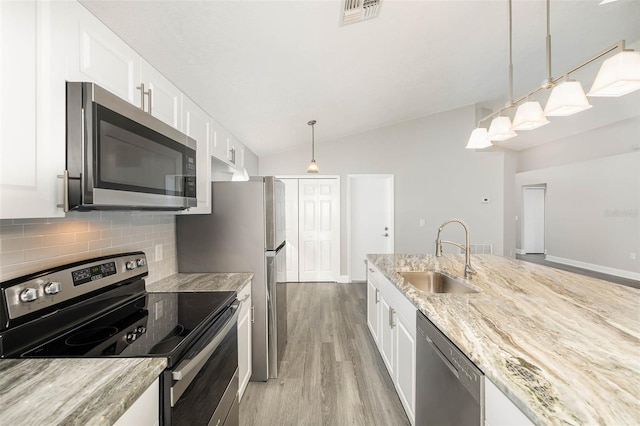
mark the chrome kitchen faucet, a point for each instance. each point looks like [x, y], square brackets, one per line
[468, 269]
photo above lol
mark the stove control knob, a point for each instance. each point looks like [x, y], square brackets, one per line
[131, 264]
[28, 295]
[141, 262]
[52, 288]
[130, 337]
[141, 329]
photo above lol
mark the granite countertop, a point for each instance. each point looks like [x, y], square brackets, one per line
[563, 347]
[201, 282]
[72, 391]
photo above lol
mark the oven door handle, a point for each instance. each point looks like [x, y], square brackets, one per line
[187, 369]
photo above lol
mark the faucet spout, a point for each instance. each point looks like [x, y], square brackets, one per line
[468, 269]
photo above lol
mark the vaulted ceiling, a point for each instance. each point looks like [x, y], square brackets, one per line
[265, 68]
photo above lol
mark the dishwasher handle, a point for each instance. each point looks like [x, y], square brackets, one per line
[442, 356]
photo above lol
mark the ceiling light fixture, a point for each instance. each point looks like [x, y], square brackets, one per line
[566, 98]
[618, 75]
[500, 129]
[313, 166]
[479, 139]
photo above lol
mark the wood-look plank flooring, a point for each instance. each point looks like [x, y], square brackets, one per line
[331, 372]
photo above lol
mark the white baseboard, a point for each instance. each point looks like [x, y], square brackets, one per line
[520, 251]
[597, 268]
[343, 279]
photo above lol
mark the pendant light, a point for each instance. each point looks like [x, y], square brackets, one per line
[618, 75]
[567, 98]
[529, 116]
[313, 166]
[479, 139]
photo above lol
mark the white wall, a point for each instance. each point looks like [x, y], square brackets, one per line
[592, 210]
[436, 178]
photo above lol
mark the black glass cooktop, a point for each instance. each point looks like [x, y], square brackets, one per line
[155, 324]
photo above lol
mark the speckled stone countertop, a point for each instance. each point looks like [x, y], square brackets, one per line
[72, 391]
[564, 348]
[201, 282]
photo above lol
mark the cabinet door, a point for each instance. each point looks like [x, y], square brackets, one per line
[97, 55]
[166, 99]
[197, 124]
[219, 142]
[244, 340]
[405, 367]
[32, 109]
[373, 310]
[387, 335]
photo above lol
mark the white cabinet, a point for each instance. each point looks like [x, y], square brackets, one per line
[145, 410]
[164, 100]
[391, 321]
[245, 322]
[499, 410]
[219, 142]
[235, 151]
[96, 54]
[197, 125]
[373, 309]
[32, 109]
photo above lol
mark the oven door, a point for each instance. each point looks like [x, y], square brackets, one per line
[202, 388]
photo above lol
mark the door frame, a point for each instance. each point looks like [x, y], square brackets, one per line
[538, 187]
[350, 178]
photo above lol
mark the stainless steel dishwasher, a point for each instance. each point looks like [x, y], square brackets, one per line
[449, 387]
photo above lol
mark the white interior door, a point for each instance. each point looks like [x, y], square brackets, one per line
[291, 228]
[319, 229]
[533, 212]
[370, 220]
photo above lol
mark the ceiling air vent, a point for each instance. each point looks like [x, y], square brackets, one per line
[359, 10]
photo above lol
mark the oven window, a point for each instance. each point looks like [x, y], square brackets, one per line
[197, 405]
[132, 157]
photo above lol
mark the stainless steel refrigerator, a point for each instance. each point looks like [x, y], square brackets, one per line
[245, 233]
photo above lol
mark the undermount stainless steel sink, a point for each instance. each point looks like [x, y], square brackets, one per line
[436, 282]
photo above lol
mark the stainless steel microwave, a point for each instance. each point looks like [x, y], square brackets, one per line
[119, 157]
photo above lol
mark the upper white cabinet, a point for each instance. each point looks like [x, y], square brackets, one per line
[163, 99]
[32, 109]
[96, 54]
[198, 125]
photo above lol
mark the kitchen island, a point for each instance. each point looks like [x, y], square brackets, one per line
[563, 347]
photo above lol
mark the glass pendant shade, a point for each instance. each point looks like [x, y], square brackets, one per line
[529, 116]
[313, 167]
[479, 139]
[567, 98]
[500, 129]
[618, 75]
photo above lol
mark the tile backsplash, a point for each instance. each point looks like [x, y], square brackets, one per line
[29, 245]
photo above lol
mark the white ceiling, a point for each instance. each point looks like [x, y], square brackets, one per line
[264, 68]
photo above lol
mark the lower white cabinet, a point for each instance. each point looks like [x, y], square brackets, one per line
[391, 319]
[499, 410]
[145, 410]
[245, 322]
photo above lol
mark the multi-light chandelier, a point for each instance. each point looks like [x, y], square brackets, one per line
[618, 76]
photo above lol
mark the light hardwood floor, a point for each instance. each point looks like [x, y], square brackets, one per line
[331, 372]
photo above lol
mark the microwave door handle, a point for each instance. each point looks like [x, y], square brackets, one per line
[186, 371]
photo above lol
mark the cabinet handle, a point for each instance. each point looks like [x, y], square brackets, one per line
[377, 296]
[65, 190]
[232, 151]
[142, 93]
[253, 314]
[150, 102]
[392, 322]
[372, 270]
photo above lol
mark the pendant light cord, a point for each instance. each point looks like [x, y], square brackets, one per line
[549, 83]
[510, 57]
